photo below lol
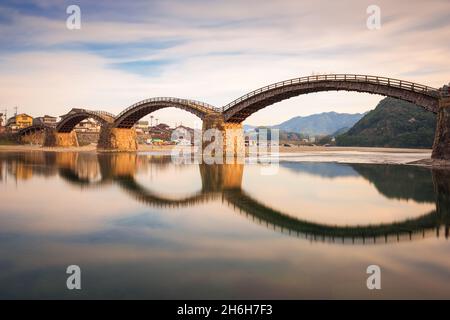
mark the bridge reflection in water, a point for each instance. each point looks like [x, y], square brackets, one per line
[224, 183]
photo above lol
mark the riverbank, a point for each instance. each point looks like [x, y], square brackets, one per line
[87, 148]
[92, 147]
[357, 155]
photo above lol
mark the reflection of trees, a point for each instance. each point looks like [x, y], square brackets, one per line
[392, 181]
[399, 181]
[441, 181]
[223, 182]
[322, 169]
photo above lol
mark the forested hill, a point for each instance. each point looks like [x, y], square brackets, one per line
[393, 123]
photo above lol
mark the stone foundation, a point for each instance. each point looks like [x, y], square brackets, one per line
[37, 137]
[441, 145]
[50, 138]
[61, 139]
[232, 137]
[117, 139]
[66, 139]
[234, 140]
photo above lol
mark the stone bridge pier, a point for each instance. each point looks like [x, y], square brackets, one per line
[117, 139]
[37, 137]
[232, 142]
[53, 138]
[441, 145]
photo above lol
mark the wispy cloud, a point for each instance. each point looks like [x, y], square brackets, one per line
[212, 51]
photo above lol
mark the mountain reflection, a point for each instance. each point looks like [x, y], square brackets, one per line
[224, 183]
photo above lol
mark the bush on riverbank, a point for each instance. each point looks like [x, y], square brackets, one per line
[8, 139]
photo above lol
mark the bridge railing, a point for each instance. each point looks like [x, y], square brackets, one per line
[171, 99]
[104, 113]
[396, 83]
[80, 110]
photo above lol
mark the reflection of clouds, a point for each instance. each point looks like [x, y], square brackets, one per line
[151, 263]
[407, 267]
[143, 220]
[51, 206]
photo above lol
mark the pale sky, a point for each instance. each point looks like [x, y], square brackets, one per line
[213, 51]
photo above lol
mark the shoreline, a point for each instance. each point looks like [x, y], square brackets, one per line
[369, 155]
[20, 147]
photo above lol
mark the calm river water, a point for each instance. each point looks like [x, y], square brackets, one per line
[140, 226]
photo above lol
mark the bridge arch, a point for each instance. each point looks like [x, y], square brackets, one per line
[416, 228]
[241, 108]
[32, 129]
[141, 194]
[34, 134]
[75, 116]
[127, 118]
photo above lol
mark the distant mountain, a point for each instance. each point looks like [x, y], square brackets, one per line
[393, 123]
[326, 123]
[248, 127]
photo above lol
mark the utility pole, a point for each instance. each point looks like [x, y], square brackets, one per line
[15, 108]
[5, 114]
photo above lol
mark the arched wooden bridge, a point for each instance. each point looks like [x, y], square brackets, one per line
[75, 116]
[239, 109]
[132, 114]
[117, 132]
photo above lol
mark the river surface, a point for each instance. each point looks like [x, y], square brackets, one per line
[142, 226]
